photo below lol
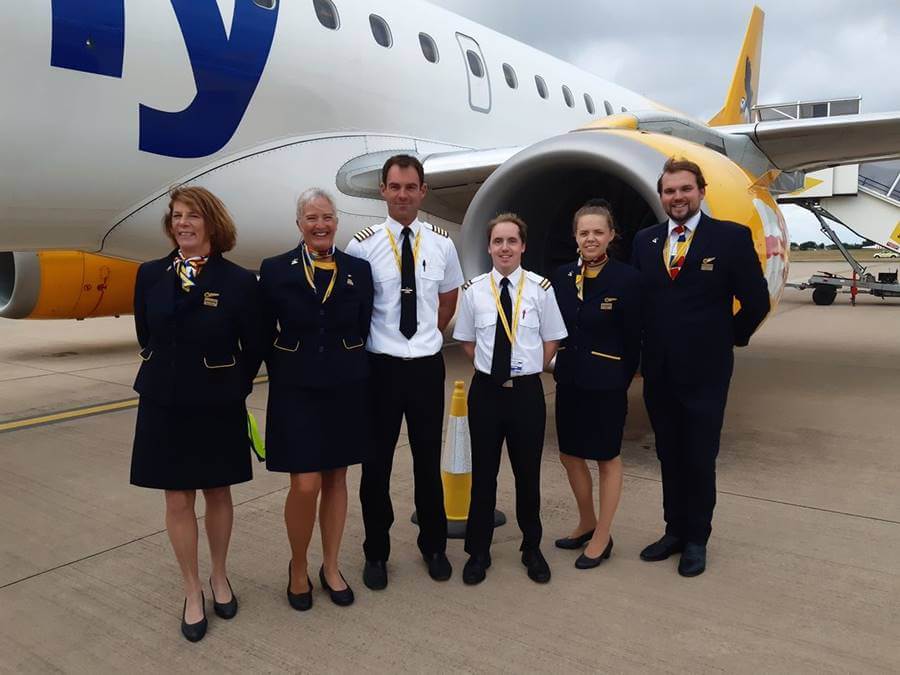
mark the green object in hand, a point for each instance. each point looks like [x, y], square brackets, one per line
[256, 440]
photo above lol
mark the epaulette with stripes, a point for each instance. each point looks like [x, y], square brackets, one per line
[364, 234]
[473, 280]
[543, 282]
[439, 230]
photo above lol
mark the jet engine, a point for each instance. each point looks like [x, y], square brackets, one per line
[547, 182]
[65, 285]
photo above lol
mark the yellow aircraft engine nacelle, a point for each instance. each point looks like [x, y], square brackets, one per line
[547, 182]
[65, 285]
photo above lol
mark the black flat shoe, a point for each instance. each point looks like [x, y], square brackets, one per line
[475, 569]
[299, 601]
[538, 569]
[341, 598]
[194, 632]
[573, 543]
[693, 560]
[375, 575]
[225, 610]
[585, 562]
[439, 567]
[662, 548]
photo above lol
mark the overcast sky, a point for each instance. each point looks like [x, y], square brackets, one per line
[683, 53]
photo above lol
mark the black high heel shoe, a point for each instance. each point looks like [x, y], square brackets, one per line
[342, 598]
[225, 610]
[194, 632]
[572, 543]
[586, 562]
[299, 601]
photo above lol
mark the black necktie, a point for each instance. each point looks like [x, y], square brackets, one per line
[500, 362]
[407, 288]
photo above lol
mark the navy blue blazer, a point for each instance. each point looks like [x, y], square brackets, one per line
[310, 343]
[689, 327]
[203, 347]
[604, 342]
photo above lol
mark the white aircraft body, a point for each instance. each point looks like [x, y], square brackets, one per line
[109, 104]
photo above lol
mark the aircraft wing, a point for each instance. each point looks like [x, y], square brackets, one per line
[453, 177]
[812, 144]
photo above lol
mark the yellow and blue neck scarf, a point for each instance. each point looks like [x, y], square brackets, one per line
[188, 269]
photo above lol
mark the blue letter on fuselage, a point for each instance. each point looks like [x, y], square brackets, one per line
[88, 36]
[226, 72]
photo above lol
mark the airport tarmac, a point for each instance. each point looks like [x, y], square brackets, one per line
[804, 562]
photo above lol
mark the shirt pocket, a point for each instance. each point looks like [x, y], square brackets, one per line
[385, 273]
[528, 333]
[486, 320]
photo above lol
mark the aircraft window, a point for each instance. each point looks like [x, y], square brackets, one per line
[608, 106]
[380, 30]
[266, 4]
[429, 48]
[327, 14]
[510, 76]
[567, 95]
[589, 104]
[541, 86]
[624, 109]
[475, 64]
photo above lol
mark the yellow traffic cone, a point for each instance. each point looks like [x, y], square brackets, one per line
[456, 463]
[456, 466]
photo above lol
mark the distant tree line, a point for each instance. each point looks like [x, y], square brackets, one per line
[812, 246]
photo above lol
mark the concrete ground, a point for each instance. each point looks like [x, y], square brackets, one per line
[804, 563]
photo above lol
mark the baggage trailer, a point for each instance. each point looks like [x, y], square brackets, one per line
[826, 285]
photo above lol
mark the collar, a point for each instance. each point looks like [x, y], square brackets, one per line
[397, 228]
[513, 276]
[691, 224]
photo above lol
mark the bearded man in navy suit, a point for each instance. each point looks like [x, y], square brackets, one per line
[692, 268]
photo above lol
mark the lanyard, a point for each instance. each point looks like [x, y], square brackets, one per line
[579, 278]
[396, 250]
[510, 332]
[310, 272]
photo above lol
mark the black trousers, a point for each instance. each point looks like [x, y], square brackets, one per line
[517, 415]
[414, 388]
[687, 421]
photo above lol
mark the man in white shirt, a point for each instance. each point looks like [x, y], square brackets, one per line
[417, 277]
[510, 326]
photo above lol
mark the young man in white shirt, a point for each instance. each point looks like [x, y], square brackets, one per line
[510, 326]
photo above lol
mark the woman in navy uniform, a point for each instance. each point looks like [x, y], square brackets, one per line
[600, 300]
[198, 325]
[319, 305]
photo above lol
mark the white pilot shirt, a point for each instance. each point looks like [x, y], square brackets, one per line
[437, 271]
[539, 320]
[690, 225]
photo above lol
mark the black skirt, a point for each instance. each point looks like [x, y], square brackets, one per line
[589, 424]
[190, 447]
[309, 430]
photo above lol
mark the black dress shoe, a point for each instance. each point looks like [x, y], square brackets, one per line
[538, 569]
[475, 569]
[573, 543]
[439, 567]
[299, 601]
[342, 598]
[663, 548]
[375, 575]
[585, 562]
[225, 610]
[693, 560]
[194, 632]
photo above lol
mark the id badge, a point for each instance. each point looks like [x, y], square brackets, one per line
[516, 366]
